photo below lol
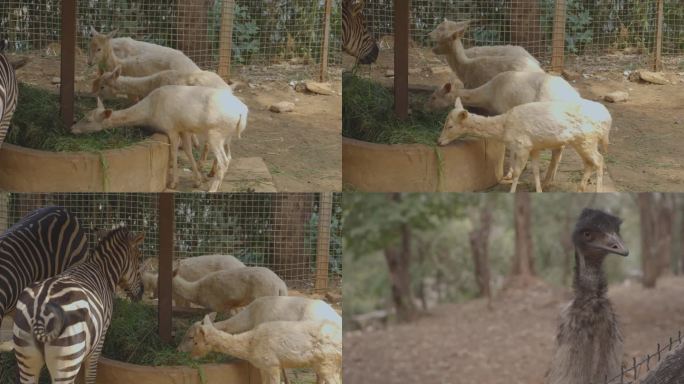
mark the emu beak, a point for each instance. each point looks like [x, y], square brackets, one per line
[613, 244]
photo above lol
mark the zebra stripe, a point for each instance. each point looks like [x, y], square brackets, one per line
[9, 92]
[61, 322]
[356, 40]
[42, 244]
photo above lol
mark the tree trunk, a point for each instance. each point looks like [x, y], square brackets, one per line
[525, 20]
[399, 264]
[670, 370]
[292, 212]
[478, 244]
[523, 262]
[656, 213]
[192, 31]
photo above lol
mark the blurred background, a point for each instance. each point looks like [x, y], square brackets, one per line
[462, 288]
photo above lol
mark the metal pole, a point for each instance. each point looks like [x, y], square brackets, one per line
[401, 56]
[68, 62]
[326, 41]
[226, 39]
[323, 243]
[657, 59]
[166, 249]
[558, 40]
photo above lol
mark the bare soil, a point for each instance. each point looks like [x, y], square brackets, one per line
[646, 138]
[302, 149]
[512, 343]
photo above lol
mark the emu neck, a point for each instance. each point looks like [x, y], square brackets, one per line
[590, 280]
[486, 127]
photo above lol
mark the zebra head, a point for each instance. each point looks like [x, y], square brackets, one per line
[120, 250]
[356, 39]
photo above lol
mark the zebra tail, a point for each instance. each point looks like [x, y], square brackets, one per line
[46, 331]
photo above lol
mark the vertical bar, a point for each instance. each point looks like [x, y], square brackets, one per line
[326, 41]
[558, 40]
[68, 62]
[323, 243]
[226, 39]
[166, 232]
[657, 59]
[401, 56]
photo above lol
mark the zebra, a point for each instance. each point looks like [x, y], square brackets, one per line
[9, 91]
[61, 322]
[356, 40]
[42, 244]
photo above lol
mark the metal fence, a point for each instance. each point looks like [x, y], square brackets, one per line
[639, 369]
[590, 28]
[245, 32]
[295, 235]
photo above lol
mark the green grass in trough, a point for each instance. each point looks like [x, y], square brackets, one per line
[37, 124]
[368, 115]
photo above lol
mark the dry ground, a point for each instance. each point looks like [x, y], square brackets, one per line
[302, 149]
[509, 344]
[647, 136]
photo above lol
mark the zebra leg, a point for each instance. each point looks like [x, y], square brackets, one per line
[90, 363]
[29, 358]
[64, 362]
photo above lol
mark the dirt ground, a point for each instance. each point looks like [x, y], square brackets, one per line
[302, 149]
[645, 152]
[509, 344]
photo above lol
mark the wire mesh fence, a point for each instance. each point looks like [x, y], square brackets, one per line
[639, 369]
[246, 32]
[591, 28]
[278, 231]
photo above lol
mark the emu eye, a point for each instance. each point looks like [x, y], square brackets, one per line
[587, 234]
[99, 49]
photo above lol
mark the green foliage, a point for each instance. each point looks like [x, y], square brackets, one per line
[577, 32]
[246, 32]
[368, 115]
[36, 124]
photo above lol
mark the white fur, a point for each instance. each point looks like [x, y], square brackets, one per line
[227, 289]
[215, 114]
[113, 83]
[269, 308]
[530, 128]
[475, 71]
[137, 58]
[192, 269]
[276, 345]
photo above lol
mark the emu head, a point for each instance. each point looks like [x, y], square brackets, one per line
[597, 234]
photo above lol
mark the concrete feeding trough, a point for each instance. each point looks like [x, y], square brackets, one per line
[142, 167]
[117, 372]
[463, 166]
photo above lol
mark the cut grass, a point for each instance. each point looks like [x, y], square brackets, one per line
[37, 124]
[368, 115]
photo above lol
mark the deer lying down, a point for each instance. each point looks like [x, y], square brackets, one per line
[214, 114]
[529, 128]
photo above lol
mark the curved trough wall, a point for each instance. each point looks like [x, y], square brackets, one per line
[142, 167]
[466, 166]
[116, 372]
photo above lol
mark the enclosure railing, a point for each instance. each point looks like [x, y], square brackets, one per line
[630, 375]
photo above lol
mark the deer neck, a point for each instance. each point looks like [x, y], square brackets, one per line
[138, 114]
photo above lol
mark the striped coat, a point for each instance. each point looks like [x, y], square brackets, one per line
[9, 92]
[61, 322]
[356, 40]
[42, 244]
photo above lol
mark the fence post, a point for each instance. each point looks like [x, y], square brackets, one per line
[166, 249]
[226, 38]
[323, 243]
[657, 59]
[326, 40]
[401, 56]
[68, 62]
[558, 40]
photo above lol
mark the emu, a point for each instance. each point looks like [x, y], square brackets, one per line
[589, 343]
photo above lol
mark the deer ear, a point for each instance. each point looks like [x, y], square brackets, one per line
[136, 239]
[93, 31]
[99, 104]
[462, 115]
[112, 33]
[458, 104]
[206, 321]
[107, 113]
[447, 87]
[212, 316]
[117, 72]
